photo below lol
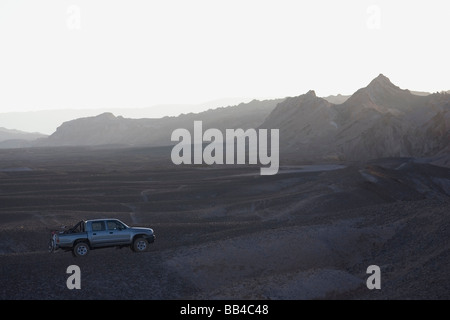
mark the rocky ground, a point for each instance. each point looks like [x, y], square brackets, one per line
[309, 232]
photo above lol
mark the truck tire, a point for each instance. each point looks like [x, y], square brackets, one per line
[81, 249]
[140, 244]
[51, 247]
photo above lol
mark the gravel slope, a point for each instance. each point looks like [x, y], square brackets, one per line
[227, 233]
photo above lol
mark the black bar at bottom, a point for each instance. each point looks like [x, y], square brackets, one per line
[210, 309]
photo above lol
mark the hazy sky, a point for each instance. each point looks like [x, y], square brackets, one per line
[139, 53]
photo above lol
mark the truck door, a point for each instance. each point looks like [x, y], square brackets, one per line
[99, 234]
[117, 232]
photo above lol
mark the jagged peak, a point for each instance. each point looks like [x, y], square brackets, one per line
[381, 80]
[382, 77]
[309, 96]
[311, 93]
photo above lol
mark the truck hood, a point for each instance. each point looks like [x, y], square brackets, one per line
[142, 229]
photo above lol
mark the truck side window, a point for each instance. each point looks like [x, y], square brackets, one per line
[114, 225]
[98, 226]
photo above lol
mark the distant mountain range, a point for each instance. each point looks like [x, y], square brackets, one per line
[379, 120]
[107, 129]
[46, 121]
[337, 99]
[11, 138]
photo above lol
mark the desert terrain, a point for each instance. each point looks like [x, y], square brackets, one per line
[225, 232]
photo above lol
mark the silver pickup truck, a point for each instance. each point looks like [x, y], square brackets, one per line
[100, 233]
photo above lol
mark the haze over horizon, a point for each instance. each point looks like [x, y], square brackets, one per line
[114, 54]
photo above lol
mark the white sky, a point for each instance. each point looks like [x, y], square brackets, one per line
[139, 53]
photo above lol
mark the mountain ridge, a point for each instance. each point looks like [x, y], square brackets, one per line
[107, 129]
[379, 120]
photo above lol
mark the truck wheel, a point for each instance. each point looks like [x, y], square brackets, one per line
[51, 247]
[140, 245]
[81, 249]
